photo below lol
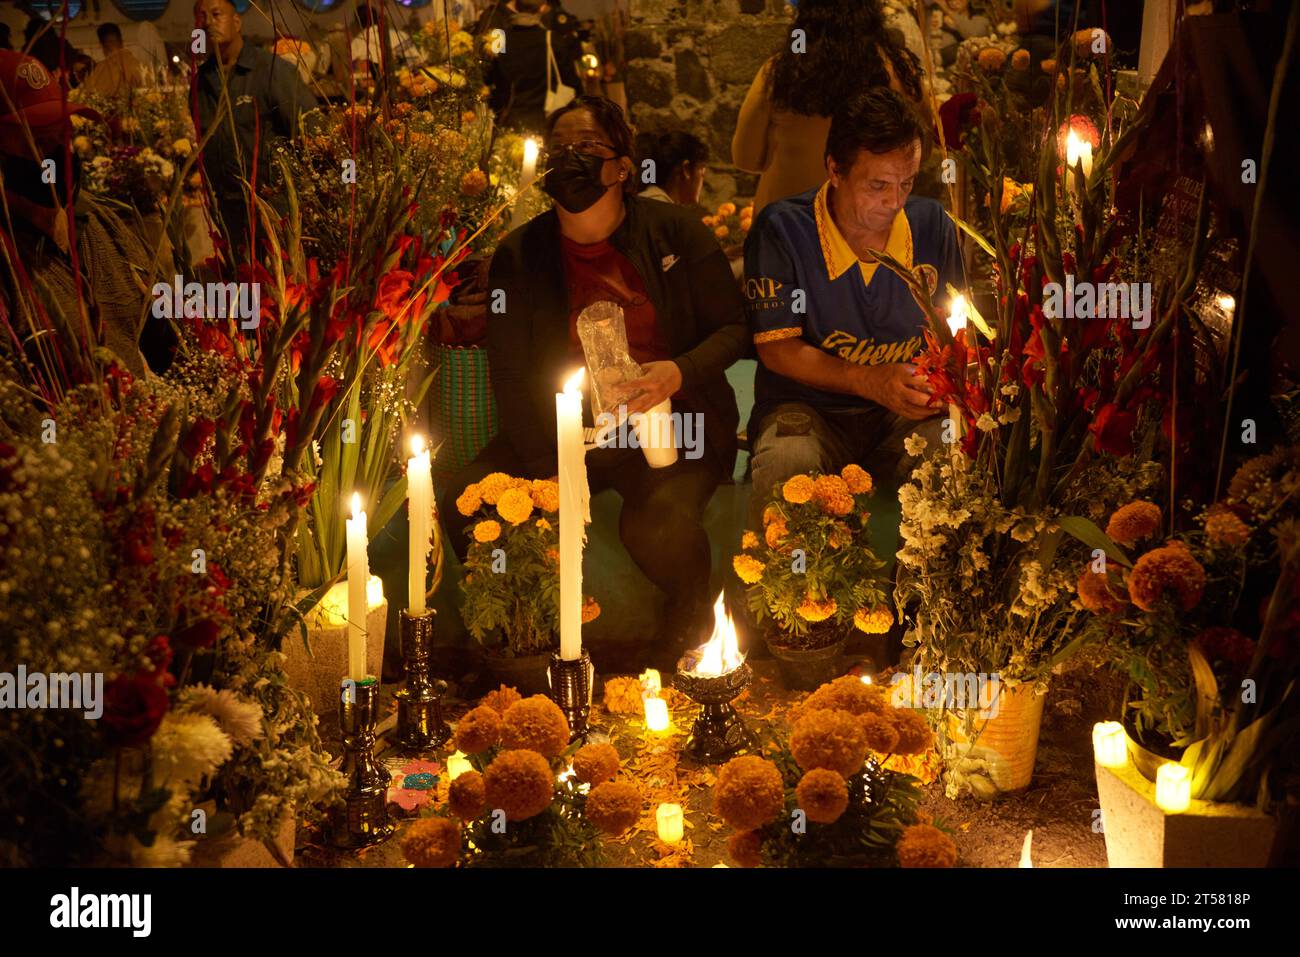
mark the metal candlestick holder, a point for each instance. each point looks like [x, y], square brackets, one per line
[571, 687]
[718, 731]
[420, 726]
[366, 798]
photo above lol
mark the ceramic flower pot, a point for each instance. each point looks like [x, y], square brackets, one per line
[528, 674]
[806, 669]
[1007, 739]
[1208, 834]
[318, 672]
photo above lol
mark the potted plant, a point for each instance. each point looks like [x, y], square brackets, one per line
[1204, 623]
[511, 583]
[813, 575]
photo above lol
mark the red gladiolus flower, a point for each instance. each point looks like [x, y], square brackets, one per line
[198, 634]
[134, 706]
[197, 437]
[393, 294]
[1112, 429]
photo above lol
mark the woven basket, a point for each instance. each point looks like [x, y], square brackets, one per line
[1008, 740]
[464, 408]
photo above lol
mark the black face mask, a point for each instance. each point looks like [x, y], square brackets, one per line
[573, 180]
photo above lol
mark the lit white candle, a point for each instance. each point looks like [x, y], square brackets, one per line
[527, 173]
[358, 577]
[1173, 788]
[656, 714]
[957, 318]
[669, 823]
[1078, 150]
[573, 512]
[457, 764]
[419, 494]
[651, 683]
[1109, 744]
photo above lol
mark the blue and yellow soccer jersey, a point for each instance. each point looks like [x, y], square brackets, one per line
[801, 280]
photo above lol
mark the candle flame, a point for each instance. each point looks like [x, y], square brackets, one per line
[719, 655]
[356, 504]
[1076, 148]
[530, 151]
[1025, 859]
[573, 384]
[866, 679]
[957, 314]
[417, 445]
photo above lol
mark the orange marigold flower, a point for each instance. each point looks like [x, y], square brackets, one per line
[546, 495]
[748, 568]
[924, 845]
[823, 795]
[874, 621]
[856, 478]
[543, 524]
[1225, 529]
[590, 610]
[515, 505]
[467, 795]
[470, 500]
[1253, 484]
[810, 609]
[914, 734]
[721, 232]
[535, 724]
[479, 730]
[474, 183]
[846, 693]
[1133, 522]
[829, 739]
[771, 514]
[726, 209]
[501, 699]
[520, 784]
[749, 792]
[798, 489]
[1168, 569]
[595, 763]
[775, 532]
[491, 486]
[1095, 594]
[432, 842]
[613, 807]
[487, 531]
[749, 540]
[832, 493]
[746, 848]
[623, 696]
[880, 731]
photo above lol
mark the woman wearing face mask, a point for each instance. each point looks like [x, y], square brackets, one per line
[685, 325]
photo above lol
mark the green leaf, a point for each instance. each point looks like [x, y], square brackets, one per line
[1086, 531]
[974, 234]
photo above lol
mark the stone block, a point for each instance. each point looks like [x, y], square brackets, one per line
[738, 51]
[692, 77]
[651, 84]
[721, 128]
[642, 44]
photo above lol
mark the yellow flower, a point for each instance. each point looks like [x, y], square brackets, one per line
[771, 514]
[81, 144]
[798, 489]
[874, 621]
[515, 505]
[810, 609]
[461, 43]
[726, 209]
[748, 568]
[775, 532]
[543, 524]
[491, 487]
[470, 500]
[182, 147]
[748, 540]
[546, 495]
[487, 531]
[856, 478]
[721, 232]
[474, 183]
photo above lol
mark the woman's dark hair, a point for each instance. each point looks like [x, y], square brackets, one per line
[844, 41]
[609, 117]
[107, 30]
[878, 120]
[669, 151]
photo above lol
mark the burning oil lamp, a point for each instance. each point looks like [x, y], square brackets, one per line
[715, 676]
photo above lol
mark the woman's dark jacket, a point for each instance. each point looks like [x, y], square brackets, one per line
[698, 308]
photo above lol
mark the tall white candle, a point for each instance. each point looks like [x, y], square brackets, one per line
[358, 576]
[527, 173]
[573, 509]
[419, 495]
[957, 317]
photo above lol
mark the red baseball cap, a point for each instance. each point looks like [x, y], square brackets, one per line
[32, 98]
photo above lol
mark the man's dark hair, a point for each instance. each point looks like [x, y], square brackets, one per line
[879, 120]
[669, 151]
[609, 117]
[107, 30]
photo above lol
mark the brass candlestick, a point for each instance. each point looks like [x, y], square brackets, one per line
[366, 799]
[571, 687]
[420, 726]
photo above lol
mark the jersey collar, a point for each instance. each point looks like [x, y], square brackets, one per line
[839, 256]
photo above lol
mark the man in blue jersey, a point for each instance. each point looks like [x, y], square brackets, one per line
[835, 330]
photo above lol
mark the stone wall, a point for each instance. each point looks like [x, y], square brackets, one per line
[689, 65]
